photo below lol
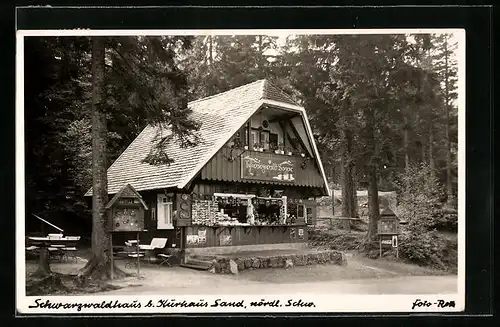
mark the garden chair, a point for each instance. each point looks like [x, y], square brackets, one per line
[133, 254]
[70, 248]
[70, 252]
[153, 248]
[156, 243]
[55, 249]
[165, 259]
[56, 252]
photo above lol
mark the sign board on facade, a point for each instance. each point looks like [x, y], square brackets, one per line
[202, 236]
[192, 239]
[301, 233]
[268, 167]
[225, 240]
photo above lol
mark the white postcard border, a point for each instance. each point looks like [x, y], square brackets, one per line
[333, 303]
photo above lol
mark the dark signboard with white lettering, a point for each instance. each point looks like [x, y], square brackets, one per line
[268, 167]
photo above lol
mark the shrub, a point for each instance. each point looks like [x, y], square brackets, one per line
[448, 220]
[429, 249]
[419, 198]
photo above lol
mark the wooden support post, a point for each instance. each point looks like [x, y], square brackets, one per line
[138, 258]
[112, 258]
[380, 246]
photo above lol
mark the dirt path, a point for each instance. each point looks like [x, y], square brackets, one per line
[360, 276]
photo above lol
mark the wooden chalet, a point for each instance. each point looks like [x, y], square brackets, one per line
[252, 180]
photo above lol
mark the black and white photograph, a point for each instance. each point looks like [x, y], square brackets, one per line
[240, 171]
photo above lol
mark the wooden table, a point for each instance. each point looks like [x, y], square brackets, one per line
[43, 243]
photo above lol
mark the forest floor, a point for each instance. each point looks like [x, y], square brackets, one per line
[361, 275]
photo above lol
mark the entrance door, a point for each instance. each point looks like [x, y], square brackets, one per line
[165, 213]
[310, 212]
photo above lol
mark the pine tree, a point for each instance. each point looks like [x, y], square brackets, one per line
[145, 67]
[445, 65]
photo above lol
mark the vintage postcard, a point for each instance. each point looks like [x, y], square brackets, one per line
[240, 171]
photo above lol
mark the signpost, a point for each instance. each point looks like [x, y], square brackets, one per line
[126, 214]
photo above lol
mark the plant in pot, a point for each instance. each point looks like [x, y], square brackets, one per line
[260, 147]
[281, 148]
[289, 151]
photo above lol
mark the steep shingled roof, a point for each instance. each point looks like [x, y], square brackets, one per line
[221, 116]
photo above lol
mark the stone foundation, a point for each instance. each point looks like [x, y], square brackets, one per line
[222, 265]
[224, 250]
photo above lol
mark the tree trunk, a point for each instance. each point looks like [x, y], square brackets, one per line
[354, 192]
[449, 186]
[423, 150]
[405, 145]
[99, 266]
[373, 203]
[348, 188]
[373, 200]
[333, 190]
[43, 264]
[210, 50]
[431, 148]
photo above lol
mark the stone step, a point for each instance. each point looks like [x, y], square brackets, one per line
[203, 257]
[198, 262]
[193, 266]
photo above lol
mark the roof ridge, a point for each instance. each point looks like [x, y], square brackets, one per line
[230, 90]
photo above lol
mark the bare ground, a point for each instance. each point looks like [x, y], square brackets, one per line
[361, 276]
